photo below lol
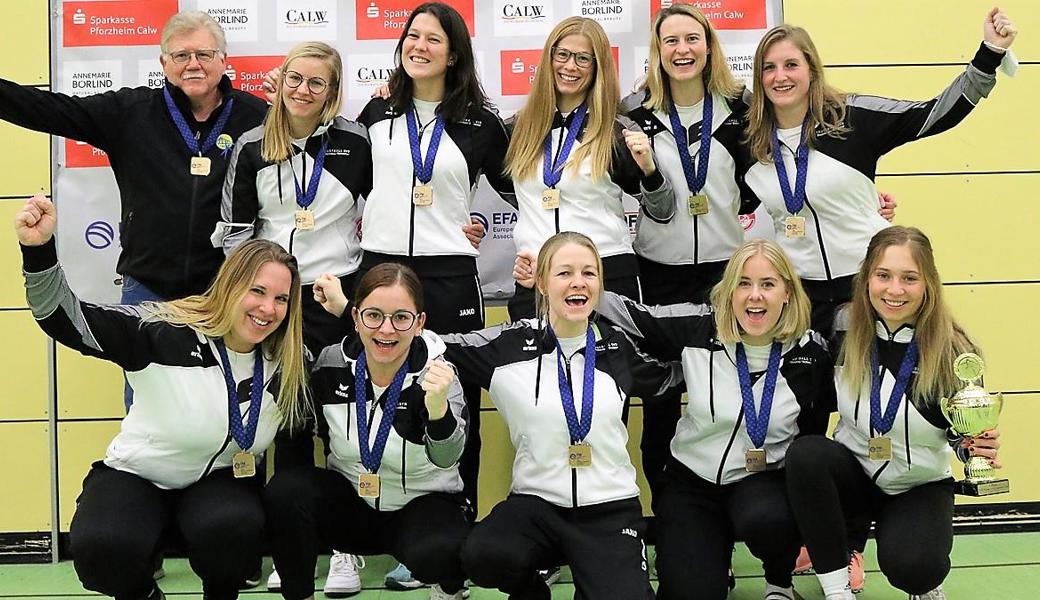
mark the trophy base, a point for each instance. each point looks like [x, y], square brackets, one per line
[981, 488]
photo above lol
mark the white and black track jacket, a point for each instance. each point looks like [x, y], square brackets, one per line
[177, 429]
[711, 437]
[689, 239]
[420, 456]
[517, 364]
[841, 206]
[260, 198]
[391, 224]
[590, 206]
[921, 438]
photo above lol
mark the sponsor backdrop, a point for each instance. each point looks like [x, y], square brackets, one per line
[104, 45]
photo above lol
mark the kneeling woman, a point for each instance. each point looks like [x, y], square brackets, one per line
[756, 378]
[393, 419]
[895, 364]
[214, 377]
[562, 385]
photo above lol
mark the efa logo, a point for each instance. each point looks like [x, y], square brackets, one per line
[385, 19]
[247, 72]
[481, 219]
[115, 23]
[99, 235]
[518, 68]
[80, 155]
[723, 14]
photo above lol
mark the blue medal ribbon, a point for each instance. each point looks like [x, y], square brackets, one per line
[424, 169]
[578, 429]
[757, 424]
[552, 172]
[305, 198]
[372, 457]
[694, 179]
[796, 198]
[882, 423]
[189, 137]
[244, 435]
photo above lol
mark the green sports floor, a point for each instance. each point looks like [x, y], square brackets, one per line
[985, 567]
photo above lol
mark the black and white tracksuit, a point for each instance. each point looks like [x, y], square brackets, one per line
[420, 515]
[910, 497]
[590, 206]
[841, 205]
[169, 464]
[167, 214]
[706, 493]
[588, 517]
[260, 202]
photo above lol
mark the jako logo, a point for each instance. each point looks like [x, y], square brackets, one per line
[99, 235]
[482, 219]
[79, 17]
[307, 17]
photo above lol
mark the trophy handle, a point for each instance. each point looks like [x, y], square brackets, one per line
[944, 407]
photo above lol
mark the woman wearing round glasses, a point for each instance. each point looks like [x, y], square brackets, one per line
[572, 159]
[296, 180]
[393, 418]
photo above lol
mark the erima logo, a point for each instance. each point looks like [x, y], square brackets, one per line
[529, 344]
[342, 391]
[197, 352]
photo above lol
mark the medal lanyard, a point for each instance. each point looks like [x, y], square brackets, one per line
[372, 457]
[694, 178]
[796, 198]
[189, 137]
[882, 423]
[757, 424]
[578, 429]
[552, 171]
[305, 198]
[244, 435]
[424, 169]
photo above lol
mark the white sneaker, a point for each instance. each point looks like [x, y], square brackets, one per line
[845, 594]
[936, 594]
[436, 593]
[343, 579]
[274, 581]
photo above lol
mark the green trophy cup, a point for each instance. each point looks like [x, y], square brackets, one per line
[970, 412]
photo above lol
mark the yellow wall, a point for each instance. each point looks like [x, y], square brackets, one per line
[957, 187]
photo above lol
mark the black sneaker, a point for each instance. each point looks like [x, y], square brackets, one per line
[550, 576]
[252, 581]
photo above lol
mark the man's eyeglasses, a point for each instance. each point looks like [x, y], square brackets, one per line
[316, 85]
[582, 59]
[401, 320]
[203, 56]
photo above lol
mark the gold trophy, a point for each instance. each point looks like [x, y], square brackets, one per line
[971, 411]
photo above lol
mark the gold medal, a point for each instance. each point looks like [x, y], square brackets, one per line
[794, 227]
[551, 199]
[304, 219]
[368, 485]
[698, 204]
[579, 455]
[880, 448]
[200, 166]
[243, 464]
[422, 195]
[755, 460]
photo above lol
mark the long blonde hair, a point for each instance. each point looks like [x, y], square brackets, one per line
[277, 144]
[939, 338]
[794, 320]
[214, 312]
[545, 256]
[826, 103]
[716, 74]
[534, 120]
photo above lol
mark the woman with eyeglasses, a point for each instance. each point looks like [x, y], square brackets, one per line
[297, 178]
[393, 418]
[572, 158]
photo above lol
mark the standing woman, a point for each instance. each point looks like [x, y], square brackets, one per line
[296, 180]
[756, 379]
[572, 159]
[215, 375]
[815, 152]
[393, 420]
[561, 384]
[895, 365]
[431, 141]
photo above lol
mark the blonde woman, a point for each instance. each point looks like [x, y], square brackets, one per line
[757, 378]
[572, 157]
[215, 376]
[896, 363]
